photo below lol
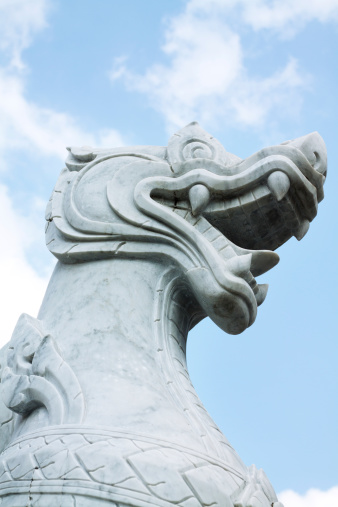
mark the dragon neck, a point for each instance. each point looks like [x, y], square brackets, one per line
[122, 327]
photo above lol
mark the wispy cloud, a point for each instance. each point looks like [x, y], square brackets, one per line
[23, 123]
[206, 76]
[19, 22]
[26, 125]
[22, 289]
[286, 17]
[312, 498]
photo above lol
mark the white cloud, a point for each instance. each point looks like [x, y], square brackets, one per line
[19, 21]
[289, 16]
[313, 498]
[286, 16]
[22, 289]
[206, 77]
[204, 62]
[24, 124]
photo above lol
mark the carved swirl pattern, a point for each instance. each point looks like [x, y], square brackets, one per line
[37, 376]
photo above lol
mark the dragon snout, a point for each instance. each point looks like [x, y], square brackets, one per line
[313, 147]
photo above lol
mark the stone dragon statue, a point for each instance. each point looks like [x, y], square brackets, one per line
[98, 408]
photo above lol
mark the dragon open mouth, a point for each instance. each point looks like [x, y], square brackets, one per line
[281, 203]
[216, 216]
[243, 211]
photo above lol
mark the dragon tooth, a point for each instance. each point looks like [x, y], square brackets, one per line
[261, 293]
[279, 184]
[199, 197]
[302, 229]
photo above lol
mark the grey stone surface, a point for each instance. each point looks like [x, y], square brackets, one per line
[98, 408]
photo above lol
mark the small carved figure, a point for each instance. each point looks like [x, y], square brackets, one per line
[98, 406]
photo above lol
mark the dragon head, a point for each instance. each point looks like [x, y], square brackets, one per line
[217, 217]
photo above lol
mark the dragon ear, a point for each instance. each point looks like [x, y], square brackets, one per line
[192, 142]
[78, 157]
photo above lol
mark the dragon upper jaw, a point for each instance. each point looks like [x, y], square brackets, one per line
[268, 197]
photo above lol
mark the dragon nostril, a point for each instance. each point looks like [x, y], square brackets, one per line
[316, 165]
[319, 164]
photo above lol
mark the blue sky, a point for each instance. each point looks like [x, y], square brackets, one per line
[253, 73]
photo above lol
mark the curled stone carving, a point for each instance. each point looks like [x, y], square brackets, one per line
[37, 377]
[255, 491]
[150, 240]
